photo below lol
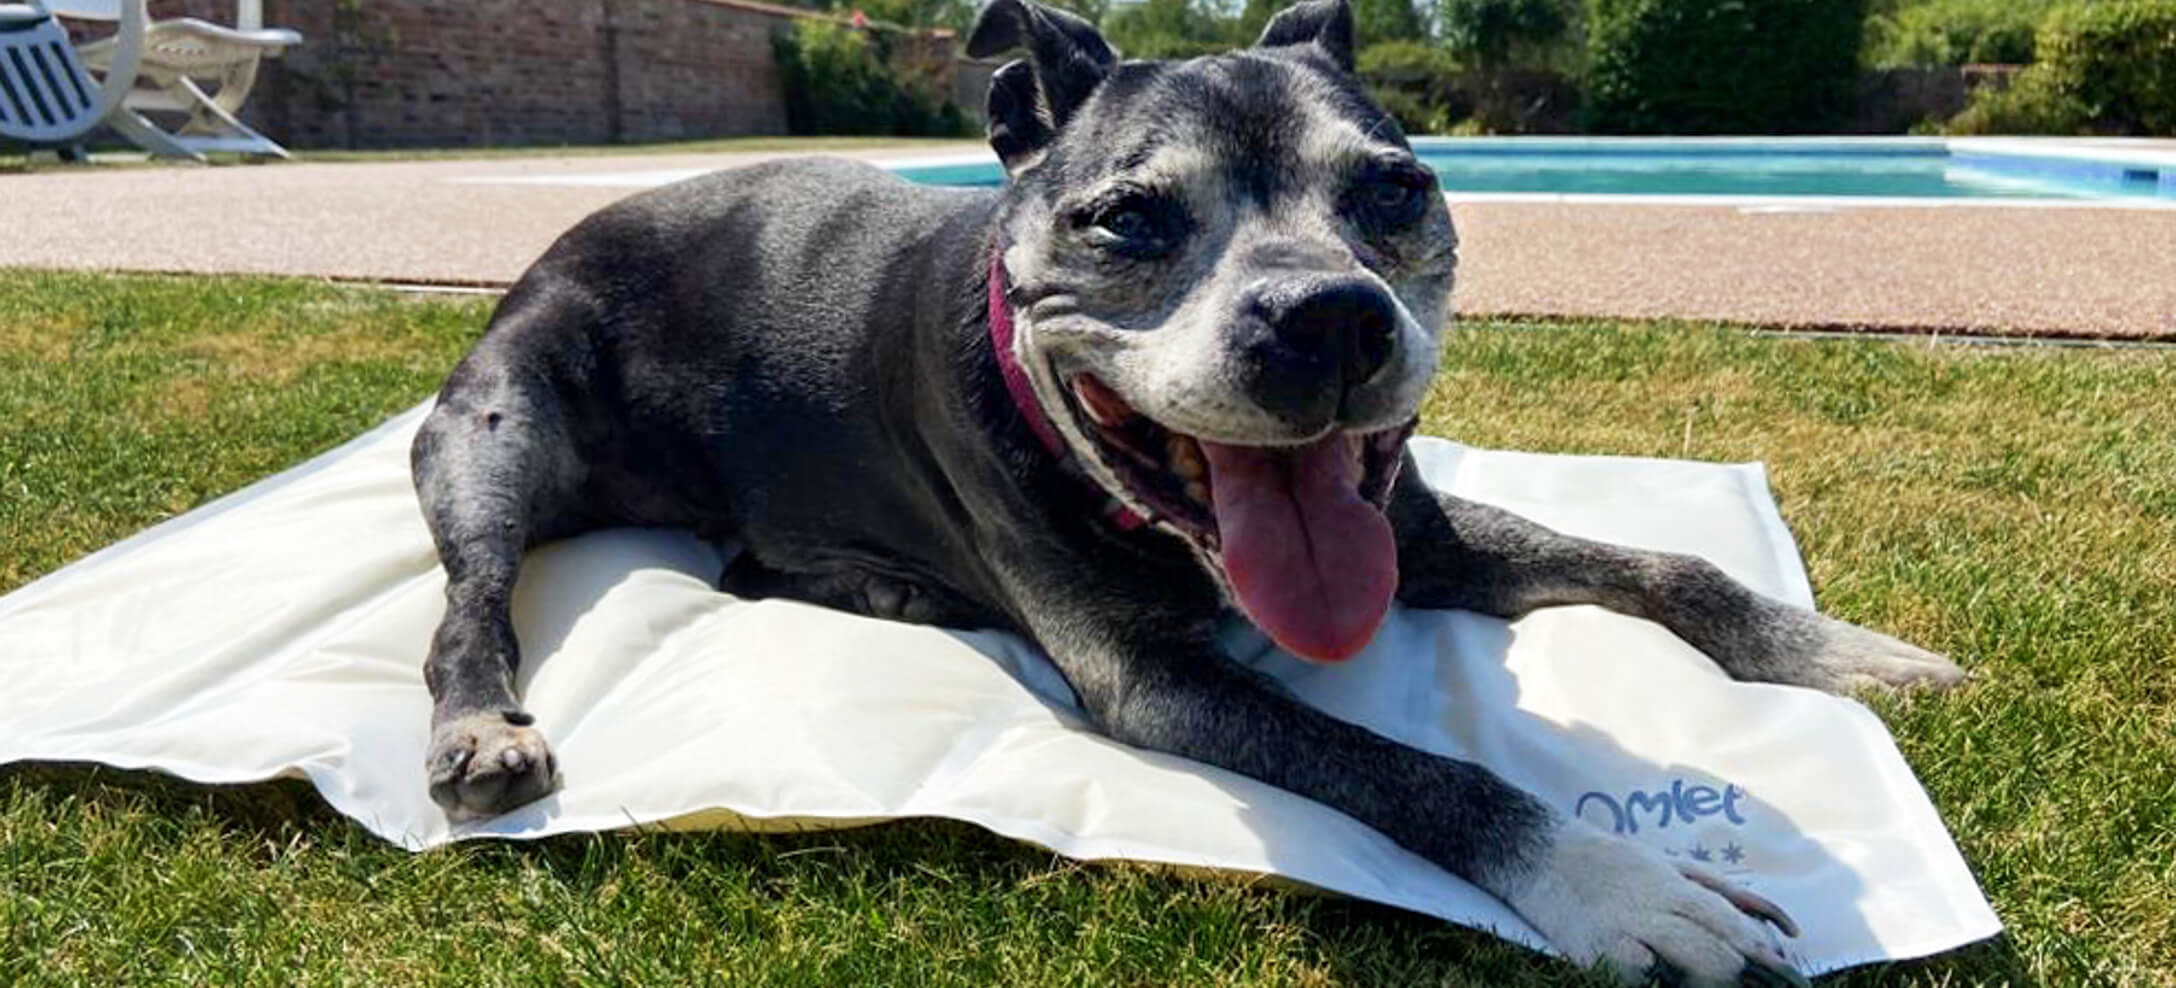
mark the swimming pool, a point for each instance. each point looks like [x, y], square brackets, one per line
[1854, 168]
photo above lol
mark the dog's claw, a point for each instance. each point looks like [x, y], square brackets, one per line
[1746, 902]
[486, 763]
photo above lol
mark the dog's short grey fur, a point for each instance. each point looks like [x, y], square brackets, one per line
[797, 357]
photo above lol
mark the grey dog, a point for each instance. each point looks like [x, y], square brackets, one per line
[1164, 373]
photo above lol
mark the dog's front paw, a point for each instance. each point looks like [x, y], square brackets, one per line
[1605, 901]
[486, 763]
[1853, 659]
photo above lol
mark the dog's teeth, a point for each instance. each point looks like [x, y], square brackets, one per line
[1198, 491]
[1186, 457]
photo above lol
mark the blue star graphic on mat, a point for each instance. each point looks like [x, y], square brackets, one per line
[1700, 853]
[1733, 853]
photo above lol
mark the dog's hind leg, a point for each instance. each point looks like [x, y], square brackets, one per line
[1454, 553]
[495, 473]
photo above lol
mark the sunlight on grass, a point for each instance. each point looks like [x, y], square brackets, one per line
[2015, 508]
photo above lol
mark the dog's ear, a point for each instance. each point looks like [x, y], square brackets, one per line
[1032, 98]
[1327, 23]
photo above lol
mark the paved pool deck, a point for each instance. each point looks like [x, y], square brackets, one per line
[2078, 272]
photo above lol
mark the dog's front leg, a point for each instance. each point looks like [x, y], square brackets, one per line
[1454, 553]
[1153, 678]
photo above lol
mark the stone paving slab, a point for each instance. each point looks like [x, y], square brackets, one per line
[2088, 272]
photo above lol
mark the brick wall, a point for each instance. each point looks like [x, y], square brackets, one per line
[473, 73]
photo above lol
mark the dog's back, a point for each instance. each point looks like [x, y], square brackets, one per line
[771, 304]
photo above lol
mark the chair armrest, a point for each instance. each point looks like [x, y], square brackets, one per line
[134, 16]
[89, 10]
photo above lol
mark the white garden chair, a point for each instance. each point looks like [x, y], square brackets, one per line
[196, 70]
[46, 97]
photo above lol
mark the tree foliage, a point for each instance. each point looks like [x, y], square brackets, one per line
[1954, 32]
[1489, 31]
[1182, 28]
[841, 80]
[2106, 67]
[1716, 67]
[1377, 21]
[1416, 82]
[1169, 29]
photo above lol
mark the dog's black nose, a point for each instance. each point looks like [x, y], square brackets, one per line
[1310, 342]
[1347, 324]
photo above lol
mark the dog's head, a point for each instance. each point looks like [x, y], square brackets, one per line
[1227, 279]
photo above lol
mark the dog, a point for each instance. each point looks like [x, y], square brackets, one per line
[1164, 373]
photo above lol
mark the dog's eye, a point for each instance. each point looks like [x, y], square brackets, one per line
[1393, 196]
[1133, 224]
[1127, 223]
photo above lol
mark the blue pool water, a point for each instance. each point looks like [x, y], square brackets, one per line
[1914, 169]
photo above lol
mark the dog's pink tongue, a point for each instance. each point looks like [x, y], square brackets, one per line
[1313, 565]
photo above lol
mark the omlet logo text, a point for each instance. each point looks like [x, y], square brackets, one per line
[1680, 802]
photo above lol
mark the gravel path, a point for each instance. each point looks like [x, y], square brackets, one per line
[2003, 270]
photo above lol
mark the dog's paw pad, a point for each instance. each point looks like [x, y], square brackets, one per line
[1608, 902]
[484, 764]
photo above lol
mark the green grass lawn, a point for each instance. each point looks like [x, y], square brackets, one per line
[2015, 508]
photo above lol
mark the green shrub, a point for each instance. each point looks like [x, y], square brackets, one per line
[1416, 82]
[2026, 106]
[1721, 66]
[2117, 58]
[2106, 67]
[843, 80]
[1377, 21]
[1955, 32]
[1169, 29]
[1489, 31]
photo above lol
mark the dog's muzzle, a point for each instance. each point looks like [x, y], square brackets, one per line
[1296, 532]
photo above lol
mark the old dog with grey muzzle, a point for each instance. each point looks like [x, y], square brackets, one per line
[1163, 375]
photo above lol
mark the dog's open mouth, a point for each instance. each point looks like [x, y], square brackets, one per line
[1298, 530]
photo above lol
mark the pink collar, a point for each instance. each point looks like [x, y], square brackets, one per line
[1008, 363]
[1023, 393]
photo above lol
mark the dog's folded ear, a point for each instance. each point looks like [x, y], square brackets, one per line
[1326, 23]
[1032, 98]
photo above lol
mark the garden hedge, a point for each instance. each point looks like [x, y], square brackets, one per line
[1721, 66]
[2117, 59]
[846, 80]
[2105, 67]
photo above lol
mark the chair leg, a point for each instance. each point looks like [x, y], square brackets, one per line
[140, 132]
[206, 105]
[234, 87]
